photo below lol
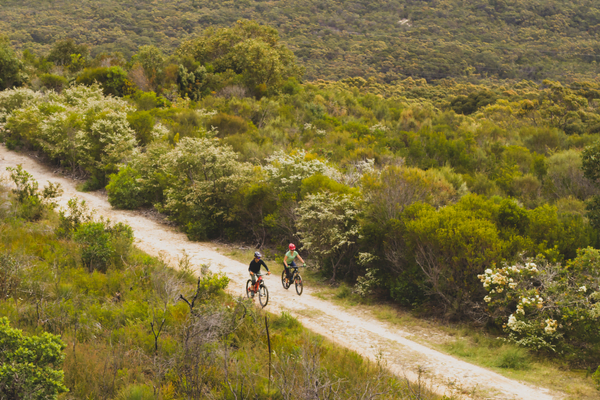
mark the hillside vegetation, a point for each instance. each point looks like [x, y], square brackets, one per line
[387, 40]
[470, 202]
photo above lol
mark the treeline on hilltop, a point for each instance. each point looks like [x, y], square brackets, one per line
[83, 314]
[422, 194]
[333, 39]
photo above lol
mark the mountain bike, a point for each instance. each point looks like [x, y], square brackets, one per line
[296, 278]
[260, 288]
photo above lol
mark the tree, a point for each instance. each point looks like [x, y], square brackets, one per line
[30, 366]
[152, 61]
[248, 49]
[12, 71]
[62, 51]
[329, 229]
[451, 246]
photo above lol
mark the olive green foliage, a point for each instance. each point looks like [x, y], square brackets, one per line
[388, 40]
[30, 365]
[12, 71]
[113, 80]
[203, 178]
[53, 82]
[99, 241]
[250, 50]
[63, 51]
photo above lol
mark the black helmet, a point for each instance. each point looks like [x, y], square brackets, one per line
[257, 254]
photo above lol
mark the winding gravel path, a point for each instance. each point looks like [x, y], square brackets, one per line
[357, 331]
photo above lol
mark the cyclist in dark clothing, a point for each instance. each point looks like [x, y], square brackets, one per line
[255, 265]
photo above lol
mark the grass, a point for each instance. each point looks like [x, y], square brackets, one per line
[475, 346]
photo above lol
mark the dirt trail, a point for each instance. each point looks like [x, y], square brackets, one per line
[357, 331]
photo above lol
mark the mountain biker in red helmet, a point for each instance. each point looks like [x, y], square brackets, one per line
[288, 260]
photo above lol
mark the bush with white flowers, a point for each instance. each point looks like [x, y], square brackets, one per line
[548, 306]
[286, 171]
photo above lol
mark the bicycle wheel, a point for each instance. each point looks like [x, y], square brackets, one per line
[298, 283]
[249, 291]
[286, 285]
[263, 295]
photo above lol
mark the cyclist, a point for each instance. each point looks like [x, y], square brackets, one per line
[255, 265]
[288, 260]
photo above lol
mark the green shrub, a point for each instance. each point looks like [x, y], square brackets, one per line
[142, 123]
[102, 244]
[124, 190]
[70, 219]
[80, 129]
[31, 366]
[54, 82]
[33, 203]
[97, 248]
[228, 124]
[112, 79]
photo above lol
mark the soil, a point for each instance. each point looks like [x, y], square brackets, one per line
[357, 329]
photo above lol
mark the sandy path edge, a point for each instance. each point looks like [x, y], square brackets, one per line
[362, 333]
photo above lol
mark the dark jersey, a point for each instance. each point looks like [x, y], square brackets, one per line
[255, 266]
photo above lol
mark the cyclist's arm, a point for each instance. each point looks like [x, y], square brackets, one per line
[301, 260]
[285, 260]
[264, 265]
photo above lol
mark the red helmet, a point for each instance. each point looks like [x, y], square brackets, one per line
[292, 247]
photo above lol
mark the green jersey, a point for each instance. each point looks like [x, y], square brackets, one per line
[291, 256]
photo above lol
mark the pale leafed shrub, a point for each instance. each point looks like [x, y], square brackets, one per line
[567, 178]
[328, 226]
[202, 179]
[13, 99]
[80, 129]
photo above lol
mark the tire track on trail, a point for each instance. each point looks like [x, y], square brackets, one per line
[357, 331]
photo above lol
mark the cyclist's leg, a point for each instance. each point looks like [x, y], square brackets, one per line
[289, 270]
[253, 276]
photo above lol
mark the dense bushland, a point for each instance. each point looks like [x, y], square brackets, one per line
[104, 320]
[333, 39]
[408, 191]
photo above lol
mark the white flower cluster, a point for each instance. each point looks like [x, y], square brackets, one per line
[204, 114]
[583, 289]
[378, 127]
[550, 326]
[286, 171]
[498, 279]
[319, 132]
[535, 301]
[512, 321]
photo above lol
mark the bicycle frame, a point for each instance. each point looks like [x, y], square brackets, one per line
[255, 287]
